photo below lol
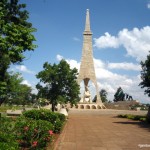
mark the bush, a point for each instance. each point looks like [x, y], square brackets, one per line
[33, 130]
[133, 117]
[58, 126]
[55, 118]
[122, 116]
[9, 146]
[143, 119]
[7, 134]
[130, 117]
[33, 134]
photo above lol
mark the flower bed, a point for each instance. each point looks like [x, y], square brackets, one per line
[35, 129]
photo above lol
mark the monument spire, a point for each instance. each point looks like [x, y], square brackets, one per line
[87, 71]
[87, 23]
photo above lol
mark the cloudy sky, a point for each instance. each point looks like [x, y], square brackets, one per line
[121, 40]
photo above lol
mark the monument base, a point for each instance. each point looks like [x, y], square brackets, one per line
[90, 106]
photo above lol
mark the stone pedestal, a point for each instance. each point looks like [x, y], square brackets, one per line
[63, 111]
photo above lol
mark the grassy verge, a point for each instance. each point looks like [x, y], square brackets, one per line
[4, 108]
[133, 117]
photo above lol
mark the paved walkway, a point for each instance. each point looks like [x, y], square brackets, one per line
[100, 130]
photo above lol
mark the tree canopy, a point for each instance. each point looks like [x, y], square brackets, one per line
[103, 95]
[17, 92]
[58, 82]
[145, 75]
[16, 37]
[119, 95]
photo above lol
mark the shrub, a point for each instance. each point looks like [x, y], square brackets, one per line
[55, 118]
[58, 126]
[130, 116]
[133, 117]
[122, 116]
[9, 146]
[41, 114]
[62, 117]
[7, 134]
[143, 119]
[33, 134]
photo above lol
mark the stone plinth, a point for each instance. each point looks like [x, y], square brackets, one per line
[14, 112]
[89, 106]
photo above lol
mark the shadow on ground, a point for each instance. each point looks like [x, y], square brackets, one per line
[141, 124]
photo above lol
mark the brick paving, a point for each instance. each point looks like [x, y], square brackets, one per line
[102, 130]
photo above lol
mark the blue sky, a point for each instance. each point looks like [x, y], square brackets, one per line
[121, 35]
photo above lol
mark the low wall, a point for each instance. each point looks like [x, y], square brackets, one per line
[121, 105]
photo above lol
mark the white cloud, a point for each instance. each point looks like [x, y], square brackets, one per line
[125, 66]
[136, 42]
[26, 83]
[71, 62]
[59, 57]
[98, 63]
[24, 69]
[76, 39]
[106, 41]
[148, 5]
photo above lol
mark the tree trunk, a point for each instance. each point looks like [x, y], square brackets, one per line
[1, 101]
[148, 115]
[53, 107]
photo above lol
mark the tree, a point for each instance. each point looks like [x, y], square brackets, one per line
[145, 75]
[103, 95]
[15, 38]
[17, 93]
[56, 81]
[119, 95]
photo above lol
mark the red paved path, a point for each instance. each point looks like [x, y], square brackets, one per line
[98, 131]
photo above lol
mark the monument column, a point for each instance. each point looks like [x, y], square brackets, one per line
[87, 71]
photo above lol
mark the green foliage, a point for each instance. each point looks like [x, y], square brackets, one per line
[7, 134]
[133, 117]
[9, 145]
[58, 124]
[59, 80]
[33, 130]
[103, 95]
[33, 134]
[145, 75]
[17, 93]
[42, 101]
[55, 118]
[15, 38]
[119, 95]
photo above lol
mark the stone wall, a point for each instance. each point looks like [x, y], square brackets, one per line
[121, 105]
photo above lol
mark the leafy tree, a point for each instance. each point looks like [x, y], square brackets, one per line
[145, 75]
[58, 82]
[33, 98]
[17, 93]
[119, 95]
[15, 38]
[103, 95]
